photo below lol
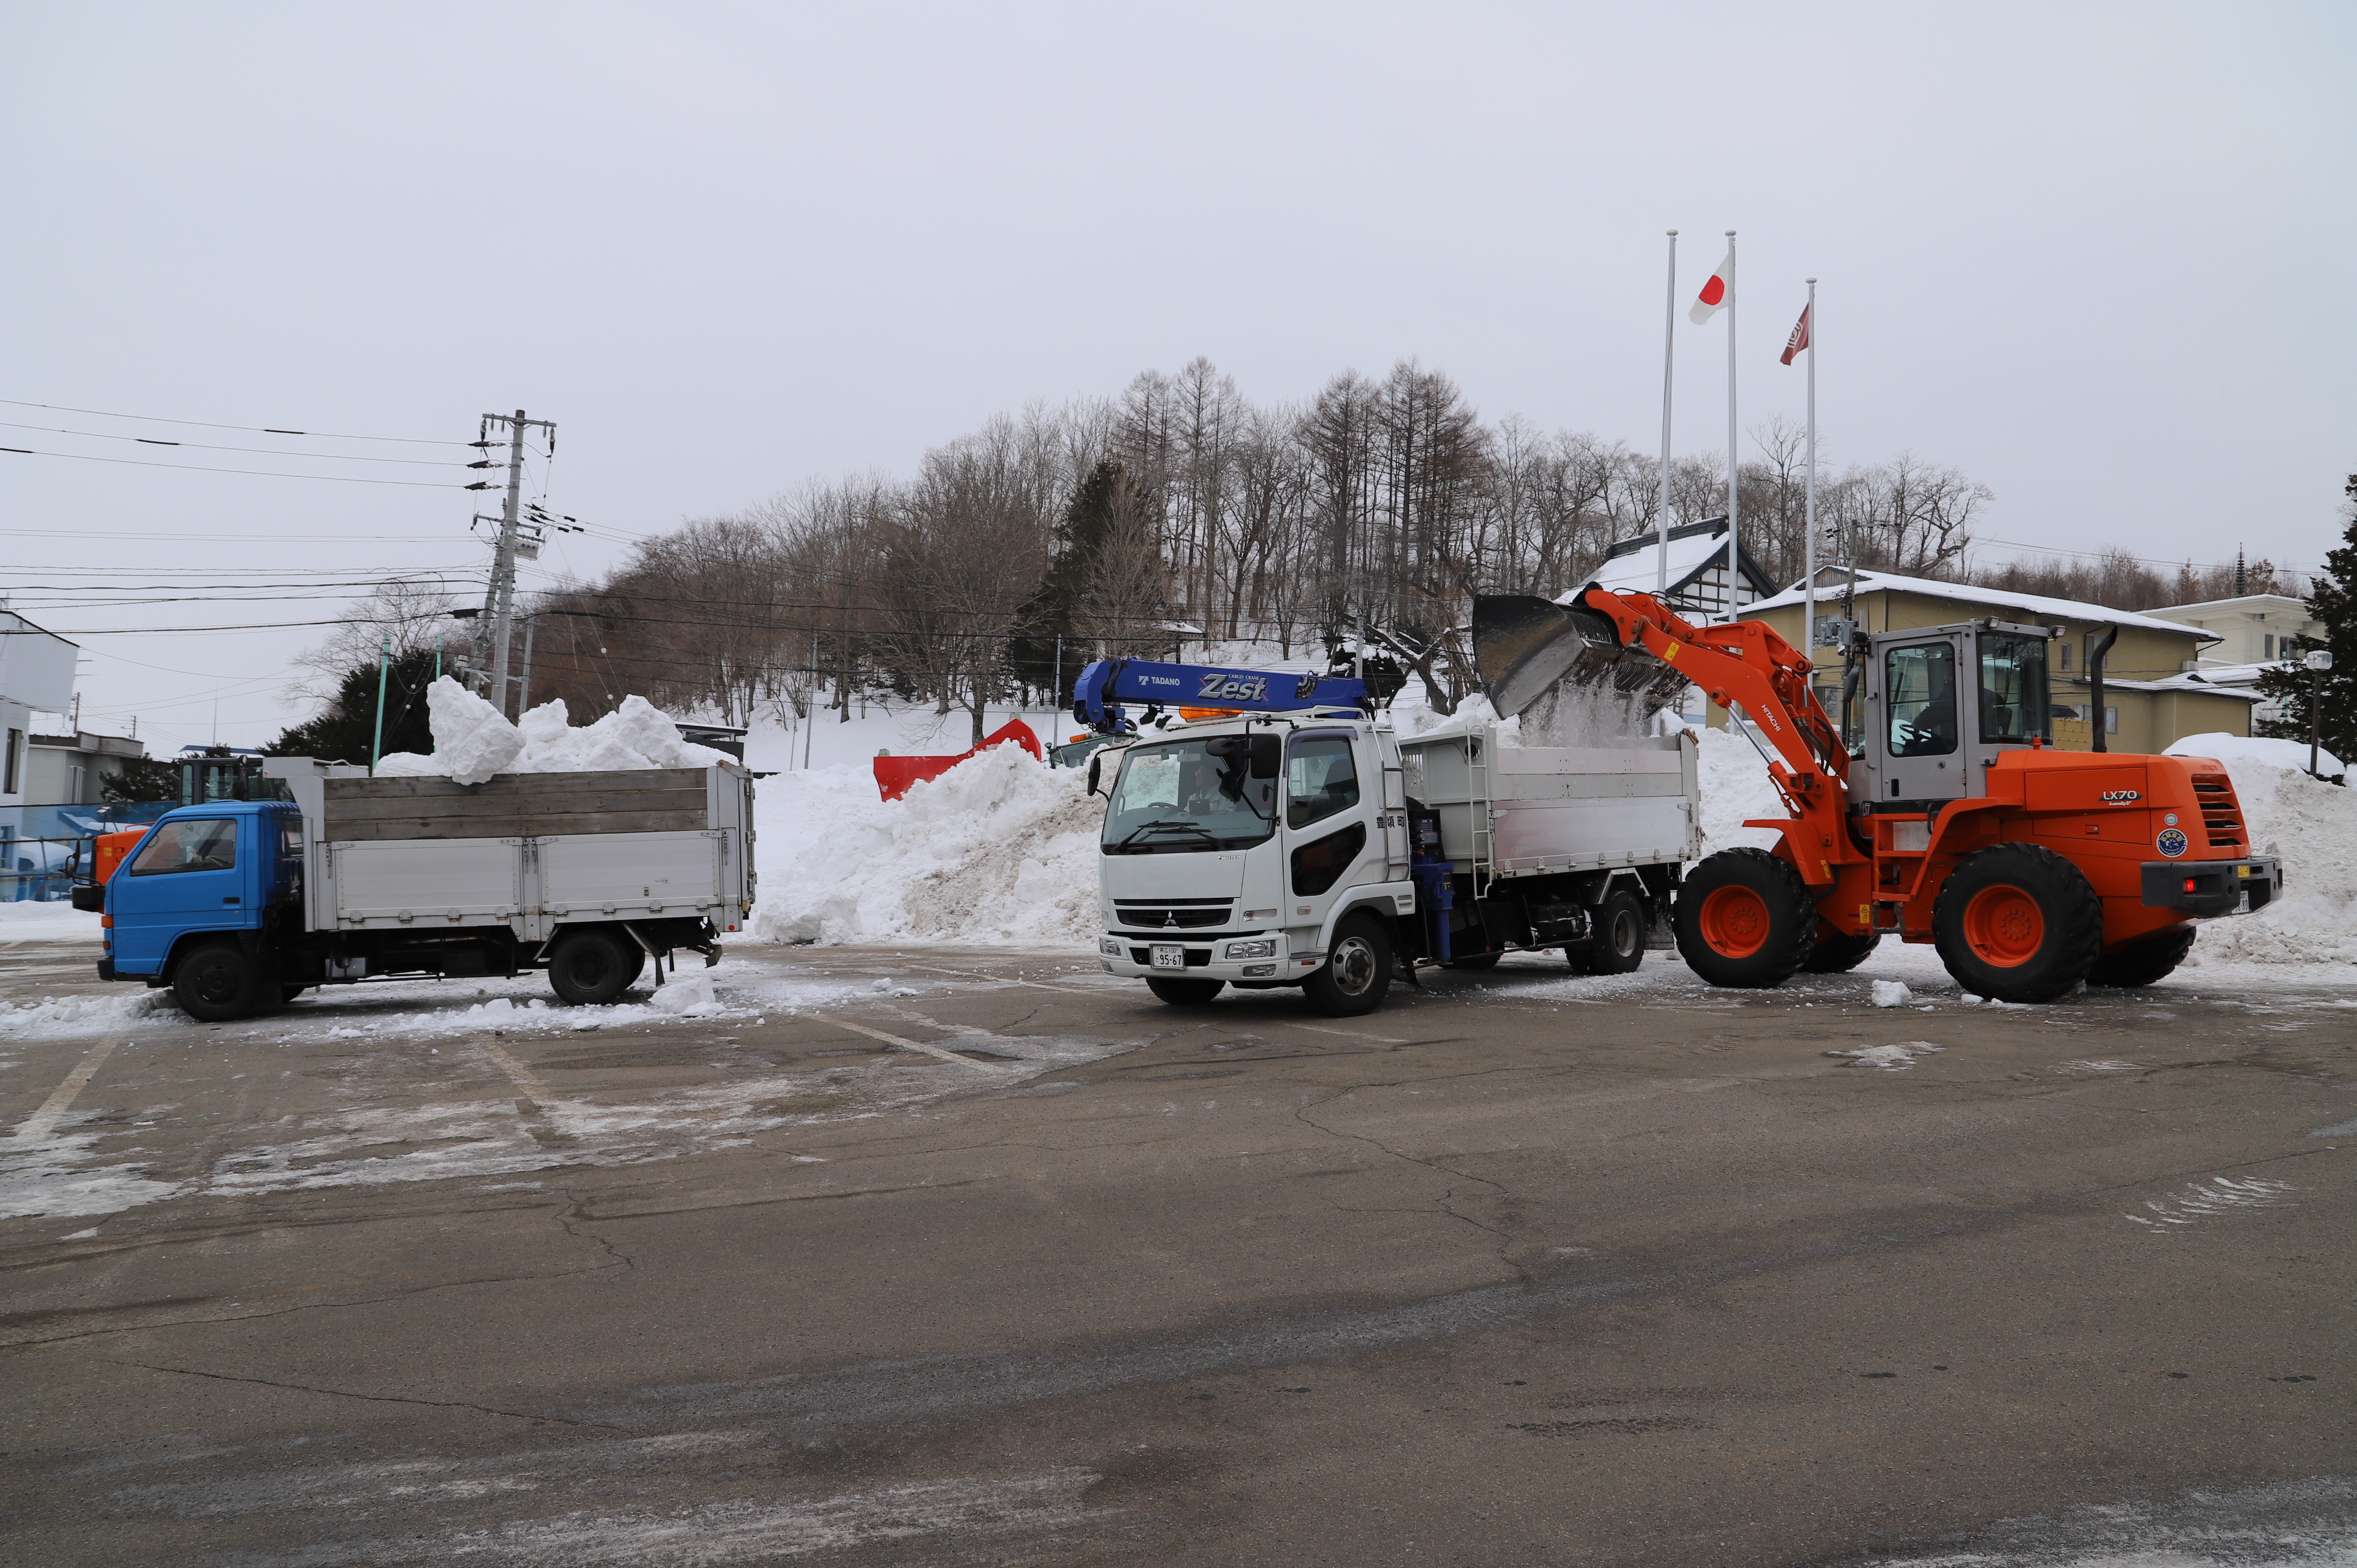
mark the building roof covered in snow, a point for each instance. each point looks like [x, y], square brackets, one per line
[2038, 608]
[1698, 567]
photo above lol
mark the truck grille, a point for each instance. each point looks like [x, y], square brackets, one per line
[2222, 814]
[1173, 914]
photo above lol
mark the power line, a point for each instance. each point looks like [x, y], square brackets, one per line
[208, 424]
[258, 473]
[258, 451]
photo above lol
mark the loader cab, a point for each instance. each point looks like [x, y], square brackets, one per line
[1942, 703]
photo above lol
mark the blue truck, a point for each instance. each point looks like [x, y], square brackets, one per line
[241, 905]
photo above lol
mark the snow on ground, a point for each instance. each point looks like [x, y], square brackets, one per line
[30, 916]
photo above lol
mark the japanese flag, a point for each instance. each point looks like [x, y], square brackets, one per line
[1718, 293]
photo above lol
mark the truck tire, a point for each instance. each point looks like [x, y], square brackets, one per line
[2142, 963]
[1357, 973]
[2018, 923]
[1187, 993]
[589, 968]
[1838, 952]
[1745, 918]
[1617, 946]
[219, 982]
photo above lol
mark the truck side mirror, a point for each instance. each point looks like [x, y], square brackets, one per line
[1095, 762]
[1268, 756]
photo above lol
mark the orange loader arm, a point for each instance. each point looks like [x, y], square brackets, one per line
[1747, 665]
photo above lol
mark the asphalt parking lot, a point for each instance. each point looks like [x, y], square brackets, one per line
[887, 1257]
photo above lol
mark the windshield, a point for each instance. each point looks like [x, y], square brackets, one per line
[2013, 688]
[1178, 795]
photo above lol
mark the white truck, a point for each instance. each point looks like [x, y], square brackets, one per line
[239, 905]
[1313, 846]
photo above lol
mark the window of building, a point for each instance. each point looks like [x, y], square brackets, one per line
[2270, 641]
[9, 783]
[2066, 655]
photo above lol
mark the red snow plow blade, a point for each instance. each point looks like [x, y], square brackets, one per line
[895, 774]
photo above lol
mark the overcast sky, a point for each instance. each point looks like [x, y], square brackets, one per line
[2097, 256]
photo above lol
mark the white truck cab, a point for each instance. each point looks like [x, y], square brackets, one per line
[1257, 852]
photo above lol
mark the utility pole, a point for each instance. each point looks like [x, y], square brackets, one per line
[499, 597]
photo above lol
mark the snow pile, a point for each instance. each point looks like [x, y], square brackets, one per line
[2243, 751]
[998, 849]
[56, 919]
[472, 741]
[2312, 827]
[1892, 994]
[1735, 787]
[55, 1017]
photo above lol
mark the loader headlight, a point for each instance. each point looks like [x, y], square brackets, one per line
[1109, 947]
[1264, 948]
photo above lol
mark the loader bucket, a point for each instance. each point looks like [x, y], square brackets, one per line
[1524, 645]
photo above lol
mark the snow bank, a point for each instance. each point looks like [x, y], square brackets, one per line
[472, 742]
[2246, 750]
[40, 916]
[998, 849]
[2312, 826]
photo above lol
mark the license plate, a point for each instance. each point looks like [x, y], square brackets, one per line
[1169, 955]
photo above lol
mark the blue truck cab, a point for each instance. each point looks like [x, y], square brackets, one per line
[195, 903]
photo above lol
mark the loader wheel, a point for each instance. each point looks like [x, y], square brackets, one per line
[1745, 918]
[2018, 923]
[218, 983]
[1839, 952]
[1186, 992]
[589, 968]
[1357, 973]
[2141, 963]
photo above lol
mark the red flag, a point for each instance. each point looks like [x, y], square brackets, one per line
[1800, 337]
[1717, 293]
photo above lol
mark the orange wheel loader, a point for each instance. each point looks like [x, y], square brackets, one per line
[1952, 820]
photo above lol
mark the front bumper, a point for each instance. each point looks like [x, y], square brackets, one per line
[1205, 957]
[2206, 887]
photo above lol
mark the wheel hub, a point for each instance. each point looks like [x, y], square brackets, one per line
[1735, 922]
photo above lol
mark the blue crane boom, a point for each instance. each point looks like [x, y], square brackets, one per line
[1107, 683]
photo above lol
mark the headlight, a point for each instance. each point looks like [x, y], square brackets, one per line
[1264, 948]
[1109, 947]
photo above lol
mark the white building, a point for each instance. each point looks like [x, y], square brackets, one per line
[2250, 630]
[36, 675]
[1697, 570]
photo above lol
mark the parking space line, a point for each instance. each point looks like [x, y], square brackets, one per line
[912, 1044]
[522, 1075]
[39, 1124]
[1350, 1033]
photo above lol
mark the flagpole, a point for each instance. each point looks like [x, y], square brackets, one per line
[1734, 555]
[1669, 343]
[1809, 549]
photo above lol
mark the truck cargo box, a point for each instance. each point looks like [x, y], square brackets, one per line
[1508, 810]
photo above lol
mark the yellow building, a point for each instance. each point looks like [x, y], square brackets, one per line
[2152, 692]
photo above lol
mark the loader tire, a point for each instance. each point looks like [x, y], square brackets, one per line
[219, 983]
[589, 968]
[2018, 923]
[1745, 918]
[1838, 952]
[2142, 963]
[1187, 993]
[1357, 973]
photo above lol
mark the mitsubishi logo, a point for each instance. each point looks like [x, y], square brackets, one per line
[1170, 918]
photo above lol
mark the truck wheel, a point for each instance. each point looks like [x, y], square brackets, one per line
[1838, 952]
[2018, 923]
[589, 968]
[217, 983]
[1357, 971]
[1619, 945]
[2141, 963]
[1187, 993]
[1745, 918]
